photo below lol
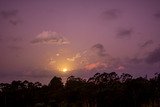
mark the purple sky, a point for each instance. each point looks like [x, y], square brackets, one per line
[41, 38]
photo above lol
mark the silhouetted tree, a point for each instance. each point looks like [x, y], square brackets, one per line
[101, 90]
[55, 92]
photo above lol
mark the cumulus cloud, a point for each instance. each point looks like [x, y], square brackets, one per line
[124, 33]
[147, 43]
[101, 60]
[10, 16]
[99, 50]
[110, 14]
[154, 56]
[49, 37]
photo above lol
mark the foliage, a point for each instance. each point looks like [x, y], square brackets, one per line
[101, 90]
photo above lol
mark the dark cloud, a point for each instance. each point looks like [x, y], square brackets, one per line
[154, 56]
[124, 33]
[15, 47]
[99, 49]
[1, 38]
[32, 74]
[49, 37]
[11, 39]
[147, 43]
[111, 14]
[136, 60]
[16, 39]
[10, 16]
[15, 22]
[37, 73]
[4, 73]
[157, 15]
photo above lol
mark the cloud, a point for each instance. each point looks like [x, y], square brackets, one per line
[37, 73]
[95, 66]
[110, 14]
[11, 39]
[154, 56]
[104, 66]
[78, 55]
[51, 62]
[15, 21]
[49, 37]
[135, 60]
[98, 59]
[147, 43]
[1, 38]
[157, 15]
[124, 33]
[10, 16]
[99, 49]
[120, 67]
[15, 47]
[16, 39]
[22, 74]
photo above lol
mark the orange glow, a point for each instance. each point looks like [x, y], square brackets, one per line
[92, 66]
[95, 65]
[64, 69]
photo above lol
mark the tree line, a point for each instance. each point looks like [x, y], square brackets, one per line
[101, 90]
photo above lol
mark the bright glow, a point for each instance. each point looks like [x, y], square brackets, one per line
[64, 69]
[61, 65]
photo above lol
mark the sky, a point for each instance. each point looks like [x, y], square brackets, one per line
[40, 39]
